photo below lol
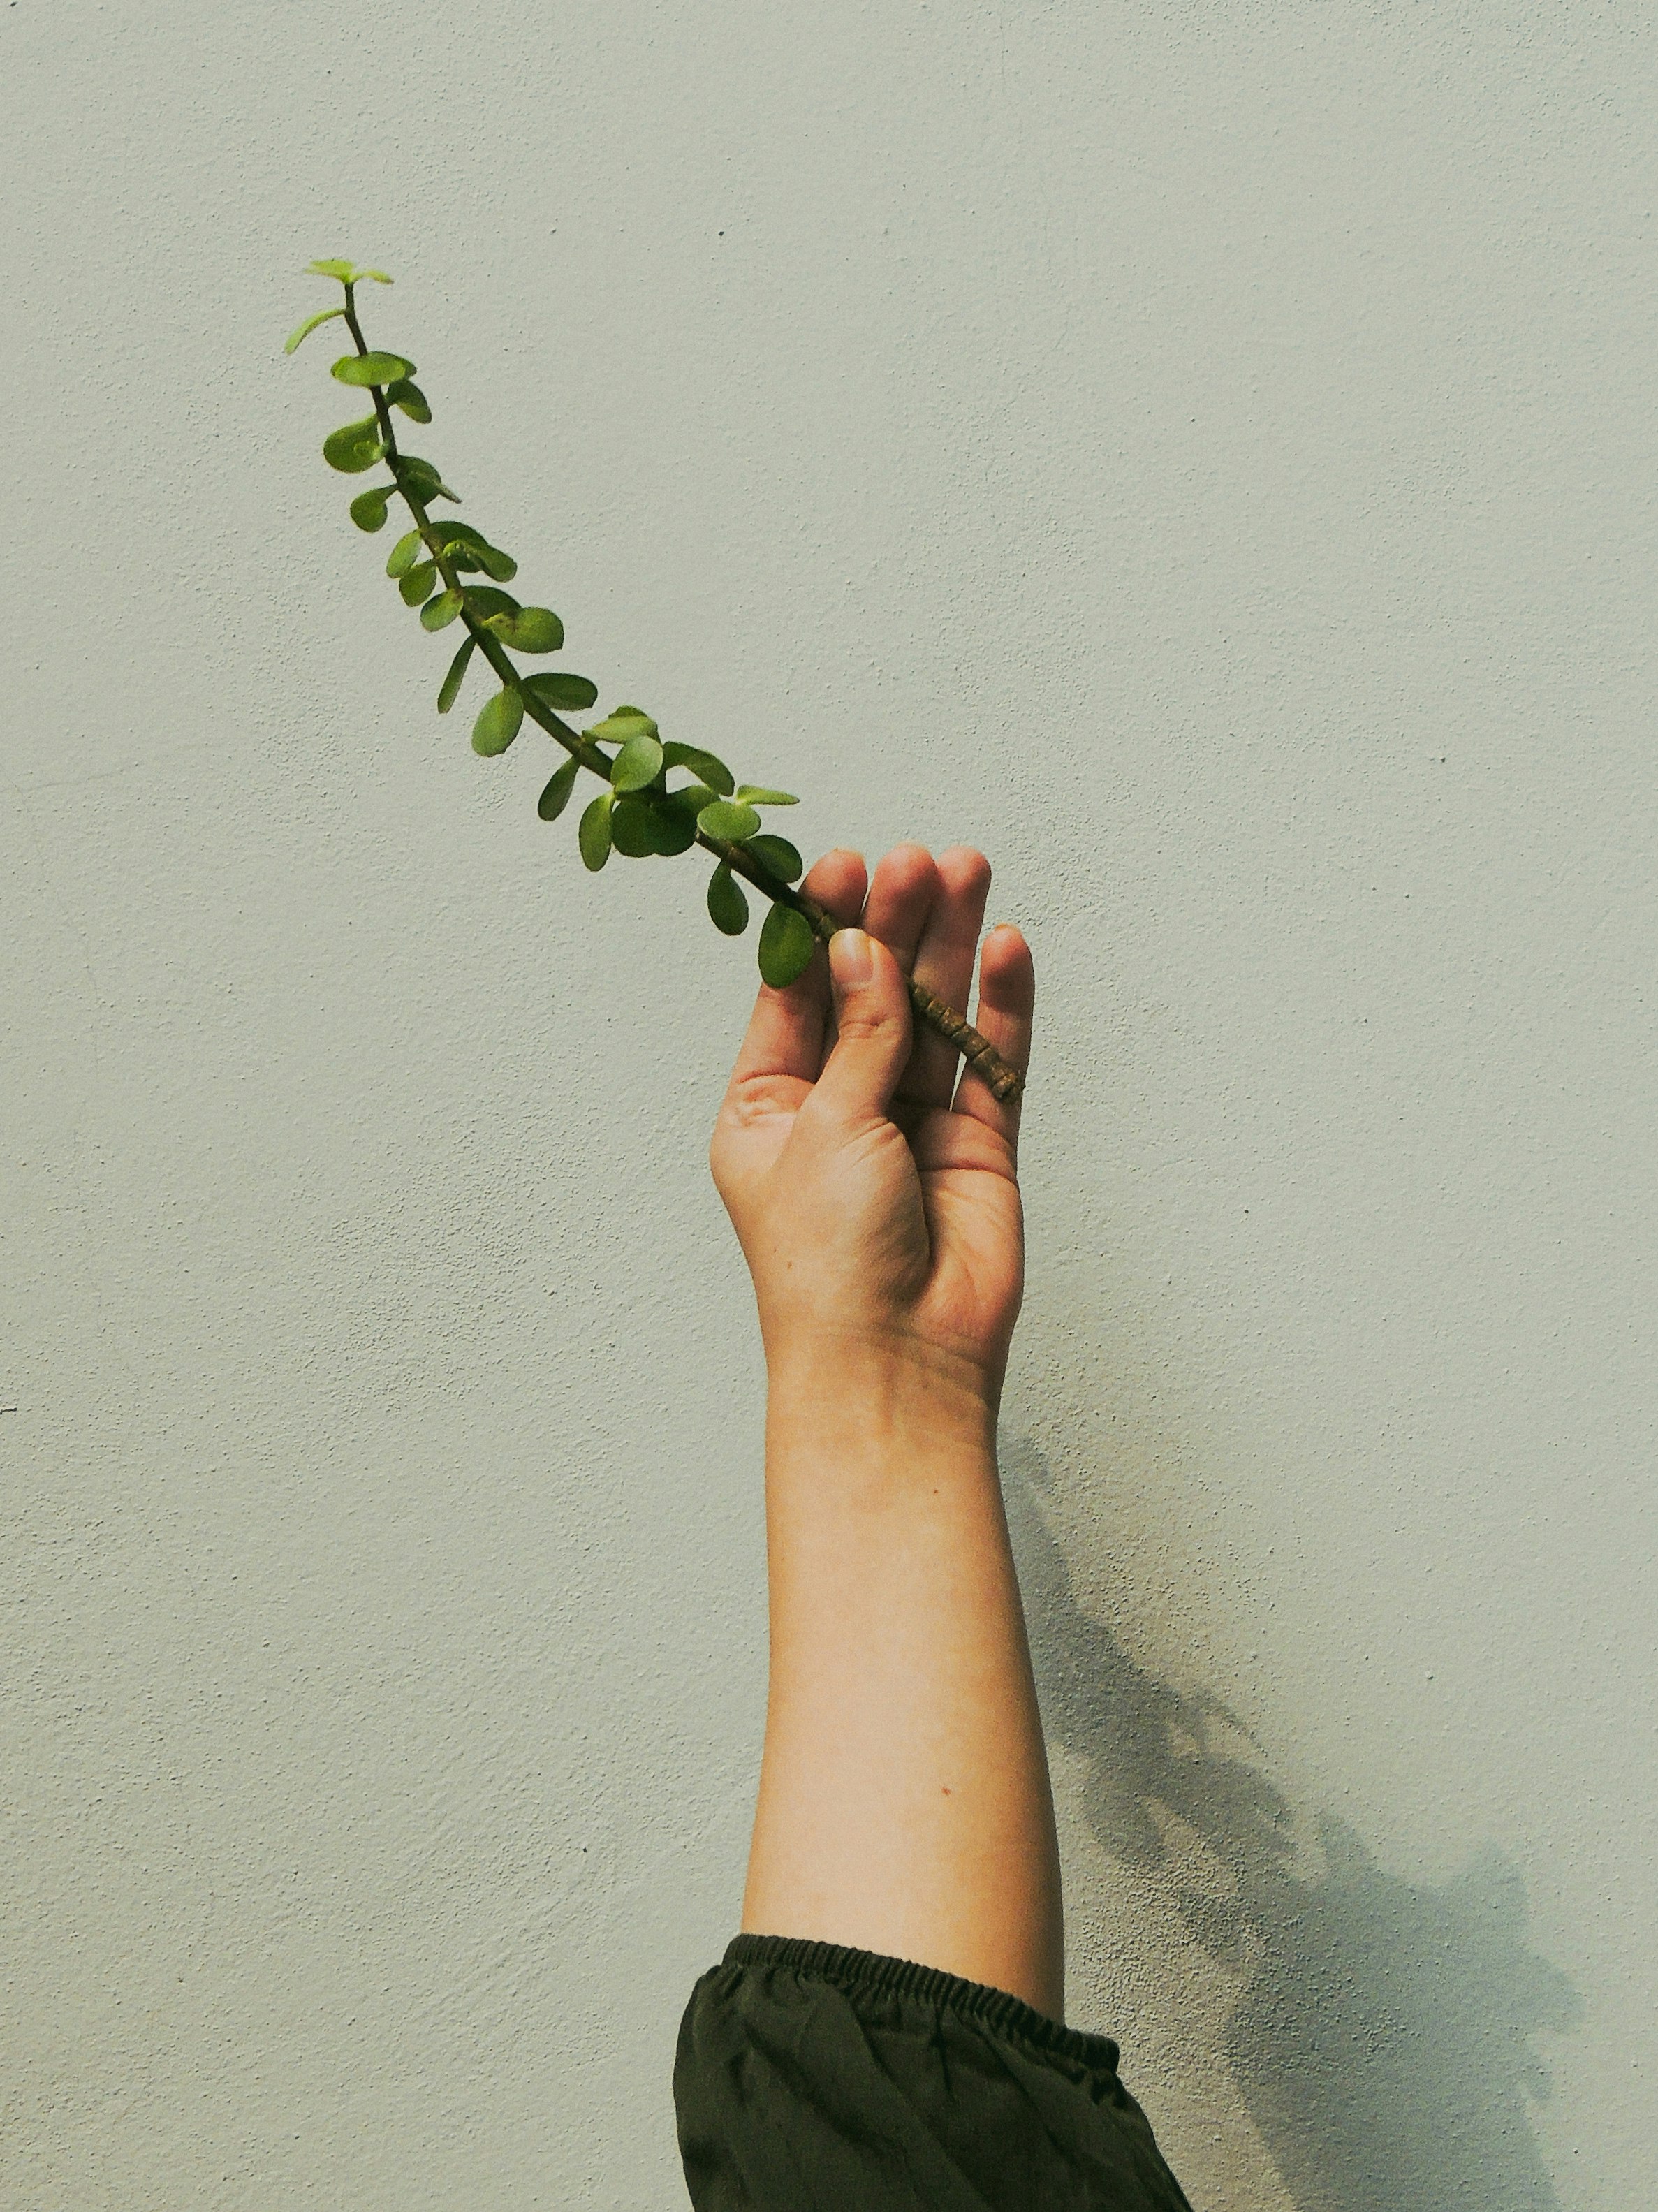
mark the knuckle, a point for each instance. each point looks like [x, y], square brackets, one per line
[853, 1021]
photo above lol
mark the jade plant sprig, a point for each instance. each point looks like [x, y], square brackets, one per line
[448, 571]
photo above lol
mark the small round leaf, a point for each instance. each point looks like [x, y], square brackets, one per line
[690, 800]
[672, 830]
[369, 508]
[310, 324]
[449, 690]
[565, 695]
[418, 583]
[373, 369]
[632, 829]
[556, 796]
[465, 546]
[422, 479]
[487, 600]
[410, 398]
[594, 835]
[707, 766]
[531, 629]
[777, 854]
[786, 946]
[354, 447]
[727, 820]
[405, 554]
[498, 724]
[621, 724]
[728, 909]
[638, 764]
[439, 612]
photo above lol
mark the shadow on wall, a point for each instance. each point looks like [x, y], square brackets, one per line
[1382, 2043]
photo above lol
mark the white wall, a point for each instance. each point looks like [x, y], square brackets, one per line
[1205, 455]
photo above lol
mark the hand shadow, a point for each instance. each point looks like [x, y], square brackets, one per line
[1382, 2043]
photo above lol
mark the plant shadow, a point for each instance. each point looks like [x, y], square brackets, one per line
[1383, 2040]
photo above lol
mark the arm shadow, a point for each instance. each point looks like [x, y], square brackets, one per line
[1383, 2043]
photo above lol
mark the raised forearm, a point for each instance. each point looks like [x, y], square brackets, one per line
[904, 1804]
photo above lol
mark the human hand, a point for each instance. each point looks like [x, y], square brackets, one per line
[876, 1195]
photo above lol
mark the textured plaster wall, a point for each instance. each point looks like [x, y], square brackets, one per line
[1204, 454]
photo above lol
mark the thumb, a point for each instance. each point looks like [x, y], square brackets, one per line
[872, 1029]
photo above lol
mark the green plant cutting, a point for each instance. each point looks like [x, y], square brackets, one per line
[658, 797]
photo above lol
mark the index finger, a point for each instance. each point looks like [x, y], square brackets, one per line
[785, 1031]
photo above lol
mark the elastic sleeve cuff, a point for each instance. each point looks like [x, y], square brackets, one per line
[868, 1972]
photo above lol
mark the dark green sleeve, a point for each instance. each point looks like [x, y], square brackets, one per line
[814, 2079]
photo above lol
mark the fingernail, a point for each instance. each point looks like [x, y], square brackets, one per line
[849, 956]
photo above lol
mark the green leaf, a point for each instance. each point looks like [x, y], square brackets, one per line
[531, 629]
[487, 600]
[638, 764]
[346, 272]
[594, 835]
[632, 830]
[410, 398]
[728, 909]
[777, 854]
[556, 796]
[727, 820]
[310, 324]
[372, 369]
[690, 798]
[424, 479]
[405, 554]
[449, 690]
[418, 584]
[469, 549]
[369, 508]
[621, 724]
[672, 829]
[439, 612]
[755, 794]
[498, 725]
[786, 946]
[565, 695]
[354, 447]
[707, 766]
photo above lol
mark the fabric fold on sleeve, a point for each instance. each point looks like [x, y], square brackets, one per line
[814, 2078]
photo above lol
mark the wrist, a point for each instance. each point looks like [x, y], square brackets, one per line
[877, 1393]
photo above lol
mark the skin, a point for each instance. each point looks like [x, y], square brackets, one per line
[904, 1805]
